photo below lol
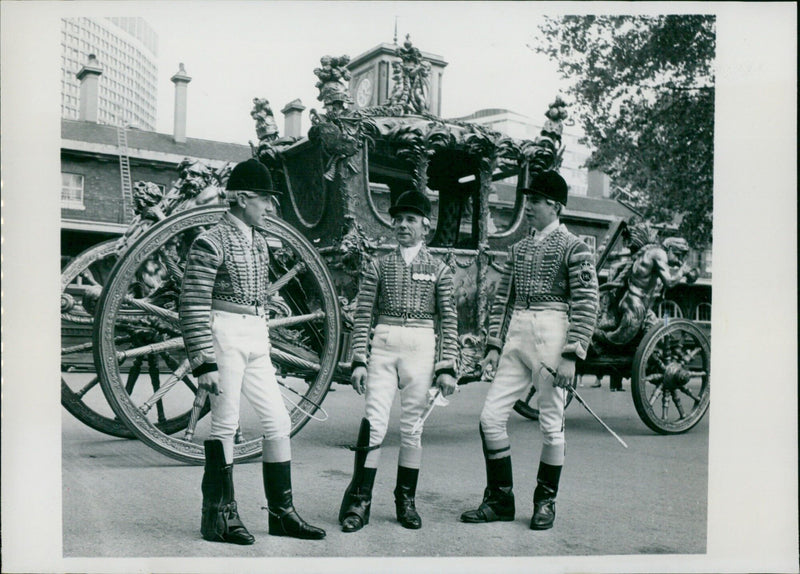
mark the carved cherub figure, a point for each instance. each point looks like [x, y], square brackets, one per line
[145, 194]
[410, 78]
[556, 114]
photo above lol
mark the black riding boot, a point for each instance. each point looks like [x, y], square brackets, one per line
[498, 497]
[220, 521]
[544, 497]
[404, 494]
[357, 499]
[283, 518]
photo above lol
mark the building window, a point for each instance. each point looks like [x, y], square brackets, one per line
[667, 308]
[590, 241]
[702, 313]
[72, 191]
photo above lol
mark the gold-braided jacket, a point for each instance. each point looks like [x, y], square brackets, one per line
[557, 270]
[222, 264]
[422, 290]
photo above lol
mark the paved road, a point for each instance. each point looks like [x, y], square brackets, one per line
[122, 499]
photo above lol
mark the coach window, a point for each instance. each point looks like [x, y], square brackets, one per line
[667, 308]
[702, 313]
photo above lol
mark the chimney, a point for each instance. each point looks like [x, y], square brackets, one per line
[292, 121]
[181, 80]
[599, 184]
[89, 77]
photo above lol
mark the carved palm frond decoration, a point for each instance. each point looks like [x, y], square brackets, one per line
[438, 138]
[509, 149]
[541, 154]
[480, 144]
[409, 141]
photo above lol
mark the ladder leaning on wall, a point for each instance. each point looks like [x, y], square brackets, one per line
[126, 214]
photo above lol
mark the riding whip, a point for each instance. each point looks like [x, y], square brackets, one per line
[588, 408]
[435, 398]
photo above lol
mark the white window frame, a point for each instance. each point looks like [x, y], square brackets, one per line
[675, 309]
[702, 305]
[76, 202]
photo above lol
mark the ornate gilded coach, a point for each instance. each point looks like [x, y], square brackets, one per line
[338, 182]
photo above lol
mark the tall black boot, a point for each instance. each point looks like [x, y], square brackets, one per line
[498, 497]
[404, 494]
[357, 499]
[283, 518]
[220, 521]
[356, 504]
[544, 497]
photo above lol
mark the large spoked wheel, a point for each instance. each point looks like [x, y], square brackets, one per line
[137, 321]
[670, 377]
[83, 277]
[82, 283]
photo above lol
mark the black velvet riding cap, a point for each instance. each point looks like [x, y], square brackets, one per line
[413, 201]
[251, 175]
[550, 185]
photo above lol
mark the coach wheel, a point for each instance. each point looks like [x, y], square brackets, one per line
[82, 282]
[80, 388]
[670, 377]
[137, 320]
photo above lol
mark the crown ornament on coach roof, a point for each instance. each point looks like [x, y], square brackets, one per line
[332, 85]
[410, 79]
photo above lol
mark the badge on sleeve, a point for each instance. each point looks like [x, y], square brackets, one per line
[586, 274]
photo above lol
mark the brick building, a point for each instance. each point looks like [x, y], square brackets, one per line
[96, 160]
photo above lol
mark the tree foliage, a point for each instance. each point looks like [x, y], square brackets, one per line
[644, 93]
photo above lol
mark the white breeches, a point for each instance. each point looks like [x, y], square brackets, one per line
[534, 337]
[401, 358]
[242, 347]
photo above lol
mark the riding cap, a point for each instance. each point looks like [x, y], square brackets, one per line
[413, 201]
[251, 175]
[550, 185]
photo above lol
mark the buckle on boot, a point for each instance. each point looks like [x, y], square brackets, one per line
[491, 508]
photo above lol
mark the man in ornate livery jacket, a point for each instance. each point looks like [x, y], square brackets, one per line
[224, 322]
[409, 294]
[543, 318]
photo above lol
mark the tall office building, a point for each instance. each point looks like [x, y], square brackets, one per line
[126, 50]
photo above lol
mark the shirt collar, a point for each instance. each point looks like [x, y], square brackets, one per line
[410, 253]
[241, 225]
[552, 226]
